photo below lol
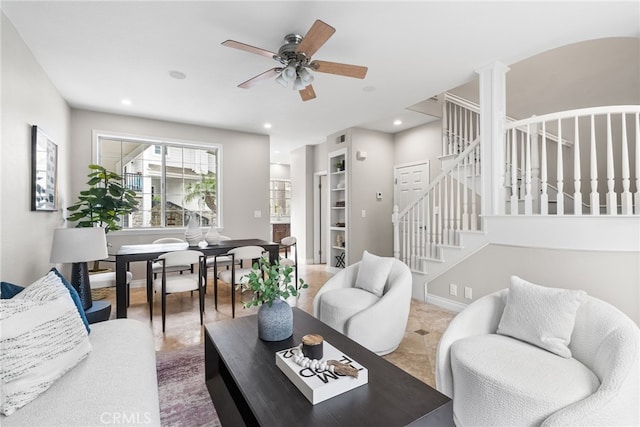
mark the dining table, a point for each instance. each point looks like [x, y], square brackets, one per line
[127, 254]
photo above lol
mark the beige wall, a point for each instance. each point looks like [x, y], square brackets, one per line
[28, 98]
[611, 276]
[245, 179]
[374, 231]
[420, 143]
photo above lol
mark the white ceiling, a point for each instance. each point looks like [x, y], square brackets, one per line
[100, 52]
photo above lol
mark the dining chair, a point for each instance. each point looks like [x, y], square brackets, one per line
[157, 267]
[175, 283]
[289, 244]
[219, 261]
[236, 275]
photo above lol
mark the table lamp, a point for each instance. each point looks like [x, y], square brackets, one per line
[77, 246]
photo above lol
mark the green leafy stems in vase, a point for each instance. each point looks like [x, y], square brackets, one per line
[271, 281]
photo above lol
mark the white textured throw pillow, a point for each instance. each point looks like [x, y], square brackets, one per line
[41, 336]
[541, 316]
[373, 273]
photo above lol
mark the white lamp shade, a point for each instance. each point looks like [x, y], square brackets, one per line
[281, 80]
[289, 73]
[78, 245]
[298, 84]
[306, 76]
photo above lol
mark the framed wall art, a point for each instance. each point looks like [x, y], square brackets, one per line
[44, 169]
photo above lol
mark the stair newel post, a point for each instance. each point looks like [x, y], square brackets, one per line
[594, 196]
[434, 224]
[439, 226]
[560, 172]
[528, 209]
[411, 235]
[544, 197]
[458, 204]
[475, 155]
[612, 209]
[514, 172]
[625, 197]
[445, 216]
[396, 232]
[637, 169]
[465, 194]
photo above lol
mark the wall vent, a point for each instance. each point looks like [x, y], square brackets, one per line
[342, 138]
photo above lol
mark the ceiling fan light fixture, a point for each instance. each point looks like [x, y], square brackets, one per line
[306, 76]
[289, 73]
[281, 80]
[298, 84]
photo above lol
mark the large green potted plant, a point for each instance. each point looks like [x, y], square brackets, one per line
[271, 284]
[104, 202]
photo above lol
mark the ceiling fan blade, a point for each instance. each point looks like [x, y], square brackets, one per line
[317, 35]
[260, 77]
[347, 70]
[307, 93]
[248, 48]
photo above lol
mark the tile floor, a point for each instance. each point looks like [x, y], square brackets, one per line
[416, 354]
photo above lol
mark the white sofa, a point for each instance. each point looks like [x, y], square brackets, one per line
[116, 384]
[497, 380]
[377, 323]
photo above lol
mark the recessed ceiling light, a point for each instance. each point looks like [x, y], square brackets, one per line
[267, 125]
[126, 102]
[177, 74]
[276, 151]
[397, 122]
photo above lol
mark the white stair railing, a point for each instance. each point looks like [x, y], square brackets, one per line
[460, 124]
[447, 206]
[593, 140]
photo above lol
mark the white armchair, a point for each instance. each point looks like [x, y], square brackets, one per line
[377, 323]
[497, 380]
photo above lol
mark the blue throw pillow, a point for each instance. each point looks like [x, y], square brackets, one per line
[75, 297]
[9, 290]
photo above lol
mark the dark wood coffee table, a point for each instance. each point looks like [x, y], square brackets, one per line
[247, 388]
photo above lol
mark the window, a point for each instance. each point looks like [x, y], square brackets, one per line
[280, 198]
[170, 179]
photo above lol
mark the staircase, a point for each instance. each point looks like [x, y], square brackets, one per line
[557, 167]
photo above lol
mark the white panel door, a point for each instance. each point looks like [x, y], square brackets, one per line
[410, 181]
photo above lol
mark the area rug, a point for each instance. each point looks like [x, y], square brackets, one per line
[184, 398]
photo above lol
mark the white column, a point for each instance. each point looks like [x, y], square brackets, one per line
[492, 115]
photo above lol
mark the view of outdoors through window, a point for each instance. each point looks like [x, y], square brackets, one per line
[280, 198]
[170, 179]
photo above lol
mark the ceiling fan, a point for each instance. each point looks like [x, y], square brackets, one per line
[295, 57]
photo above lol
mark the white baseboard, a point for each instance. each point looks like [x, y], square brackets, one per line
[445, 303]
